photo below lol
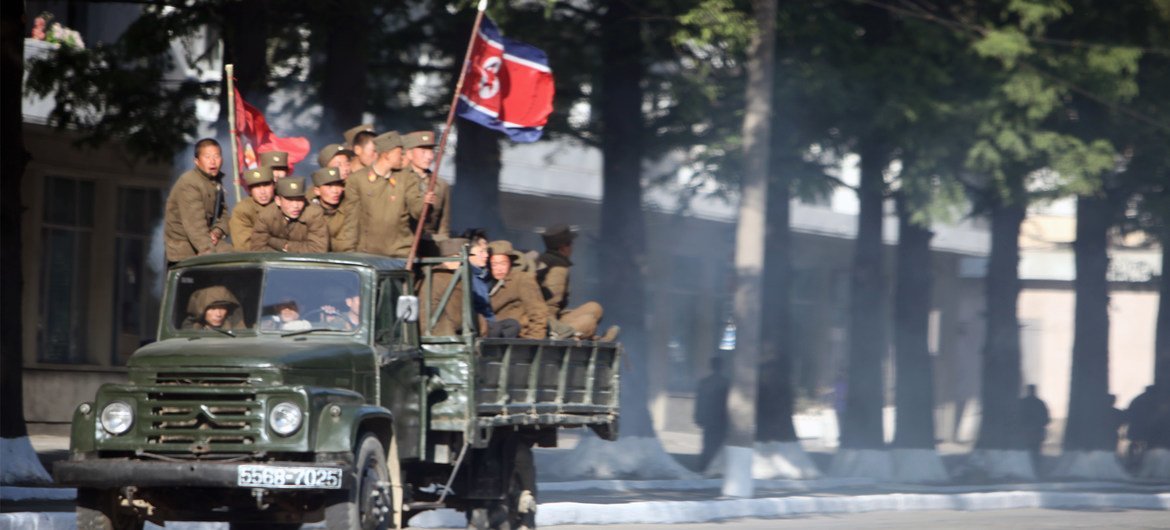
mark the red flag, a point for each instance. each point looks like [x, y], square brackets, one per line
[250, 124]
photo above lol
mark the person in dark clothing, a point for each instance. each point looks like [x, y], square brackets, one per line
[1112, 418]
[1137, 429]
[1033, 423]
[711, 411]
[507, 328]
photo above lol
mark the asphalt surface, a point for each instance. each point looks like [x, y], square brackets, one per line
[949, 520]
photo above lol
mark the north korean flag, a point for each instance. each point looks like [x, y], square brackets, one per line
[509, 86]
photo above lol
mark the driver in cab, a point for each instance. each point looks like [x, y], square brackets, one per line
[213, 308]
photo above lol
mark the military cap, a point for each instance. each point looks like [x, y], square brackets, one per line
[331, 151]
[274, 159]
[260, 175]
[387, 141]
[348, 135]
[326, 175]
[502, 247]
[451, 246]
[557, 236]
[291, 187]
[418, 139]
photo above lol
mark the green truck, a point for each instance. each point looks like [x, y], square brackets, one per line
[296, 388]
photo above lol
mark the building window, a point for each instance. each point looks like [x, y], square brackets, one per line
[135, 310]
[66, 234]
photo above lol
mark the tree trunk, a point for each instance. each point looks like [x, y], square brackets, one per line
[476, 198]
[775, 396]
[914, 370]
[12, 166]
[245, 45]
[861, 427]
[1162, 328]
[749, 252]
[1089, 390]
[1000, 381]
[343, 84]
[623, 225]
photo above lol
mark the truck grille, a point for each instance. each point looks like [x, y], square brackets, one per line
[201, 420]
[202, 378]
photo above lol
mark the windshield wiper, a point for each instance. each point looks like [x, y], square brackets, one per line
[227, 332]
[305, 331]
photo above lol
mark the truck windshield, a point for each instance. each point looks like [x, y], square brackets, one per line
[226, 300]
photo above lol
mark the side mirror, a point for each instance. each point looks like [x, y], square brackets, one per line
[407, 308]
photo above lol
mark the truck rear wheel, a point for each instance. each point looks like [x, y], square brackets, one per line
[98, 510]
[367, 506]
[517, 510]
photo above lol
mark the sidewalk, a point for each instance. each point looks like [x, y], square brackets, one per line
[681, 501]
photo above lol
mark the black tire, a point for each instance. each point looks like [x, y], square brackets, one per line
[367, 506]
[517, 510]
[98, 510]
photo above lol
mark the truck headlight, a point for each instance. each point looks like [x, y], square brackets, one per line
[117, 417]
[285, 418]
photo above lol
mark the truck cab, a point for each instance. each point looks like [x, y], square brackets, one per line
[286, 389]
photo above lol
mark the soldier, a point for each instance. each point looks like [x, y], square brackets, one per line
[278, 161]
[336, 156]
[351, 134]
[578, 322]
[381, 205]
[212, 308]
[515, 293]
[194, 221]
[291, 226]
[365, 152]
[261, 190]
[419, 149]
[329, 188]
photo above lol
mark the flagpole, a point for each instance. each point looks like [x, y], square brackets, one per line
[446, 130]
[231, 89]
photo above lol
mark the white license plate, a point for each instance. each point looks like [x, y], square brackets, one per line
[288, 477]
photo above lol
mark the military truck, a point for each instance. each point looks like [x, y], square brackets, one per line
[286, 389]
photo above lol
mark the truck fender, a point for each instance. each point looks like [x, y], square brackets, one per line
[340, 424]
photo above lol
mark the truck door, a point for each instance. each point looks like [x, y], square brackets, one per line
[400, 359]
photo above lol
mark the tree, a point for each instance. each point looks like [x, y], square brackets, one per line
[18, 461]
[749, 249]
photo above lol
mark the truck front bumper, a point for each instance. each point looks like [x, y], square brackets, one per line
[119, 472]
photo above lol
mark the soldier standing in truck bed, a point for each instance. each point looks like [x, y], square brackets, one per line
[361, 142]
[514, 293]
[195, 219]
[261, 191]
[419, 153]
[291, 226]
[329, 189]
[382, 205]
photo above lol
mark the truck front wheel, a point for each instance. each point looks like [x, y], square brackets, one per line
[367, 506]
[98, 510]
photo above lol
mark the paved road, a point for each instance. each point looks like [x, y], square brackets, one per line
[949, 520]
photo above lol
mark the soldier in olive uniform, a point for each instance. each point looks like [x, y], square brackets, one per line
[515, 293]
[291, 226]
[195, 218]
[278, 161]
[361, 142]
[553, 275]
[329, 188]
[351, 134]
[419, 151]
[261, 190]
[336, 156]
[213, 307]
[382, 205]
